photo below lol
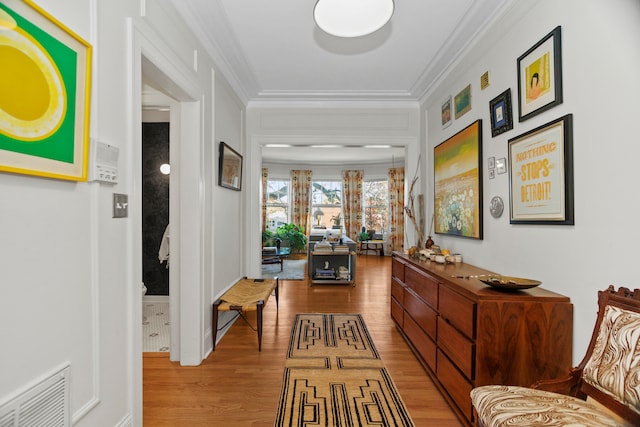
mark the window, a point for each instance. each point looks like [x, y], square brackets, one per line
[376, 205]
[277, 203]
[326, 200]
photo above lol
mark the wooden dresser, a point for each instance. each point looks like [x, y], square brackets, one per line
[467, 334]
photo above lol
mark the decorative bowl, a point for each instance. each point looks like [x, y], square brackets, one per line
[509, 283]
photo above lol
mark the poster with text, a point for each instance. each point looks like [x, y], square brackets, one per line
[541, 174]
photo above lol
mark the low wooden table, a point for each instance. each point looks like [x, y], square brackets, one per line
[245, 295]
[372, 245]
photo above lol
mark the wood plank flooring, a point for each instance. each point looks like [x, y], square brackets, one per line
[239, 386]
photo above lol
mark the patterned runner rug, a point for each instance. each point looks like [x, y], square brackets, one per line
[334, 377]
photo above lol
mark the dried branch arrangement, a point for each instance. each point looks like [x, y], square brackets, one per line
[410, 208]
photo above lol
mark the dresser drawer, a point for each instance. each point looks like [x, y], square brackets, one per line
[460, 350]
[423, 285]
[397, 290]
[423, 315]
[396, 312]
[456, 384]
[397, 269]
[458, 310]
[421, 341]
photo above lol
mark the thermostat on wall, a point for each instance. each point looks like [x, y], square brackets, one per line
[104, 162]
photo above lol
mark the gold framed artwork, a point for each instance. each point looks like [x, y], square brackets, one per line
[541, 174]
[540, 76]
[45, 79]
[462, 102]
[457, 167]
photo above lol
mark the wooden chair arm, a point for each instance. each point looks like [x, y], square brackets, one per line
[569, 385]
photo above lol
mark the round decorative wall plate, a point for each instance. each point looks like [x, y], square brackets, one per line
[496, 207]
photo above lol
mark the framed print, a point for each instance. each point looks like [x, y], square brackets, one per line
[229, 168]
[541, 174]
[491, 163]
[462, 102]
[540, 76]
[446, 112]
[492, 173]
[45, 79]
[500, 111]
[457, 166]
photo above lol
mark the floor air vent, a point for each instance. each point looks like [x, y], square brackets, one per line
[45, 404]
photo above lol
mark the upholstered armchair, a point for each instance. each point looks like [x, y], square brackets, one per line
[603, 390]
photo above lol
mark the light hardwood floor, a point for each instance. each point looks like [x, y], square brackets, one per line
[239, 386]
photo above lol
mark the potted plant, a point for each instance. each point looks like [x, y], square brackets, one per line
[268, 238]
[292, 236]
[363, 236]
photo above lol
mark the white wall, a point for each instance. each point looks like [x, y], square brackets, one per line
[70, 272]
[600, 59]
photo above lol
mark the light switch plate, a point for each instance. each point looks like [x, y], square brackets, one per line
[120, 205]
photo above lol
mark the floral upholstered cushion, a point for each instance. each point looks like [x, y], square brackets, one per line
[499, 406]
[614, 365]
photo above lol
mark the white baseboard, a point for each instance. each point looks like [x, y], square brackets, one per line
[155, 298]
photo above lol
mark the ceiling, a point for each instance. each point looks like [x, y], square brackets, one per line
[272, 51]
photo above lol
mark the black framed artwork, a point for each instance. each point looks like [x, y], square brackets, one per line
[541, 174]
[501, 113]
[540, 76]
[229, 168]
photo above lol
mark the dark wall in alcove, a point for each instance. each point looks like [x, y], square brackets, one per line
[155, 205]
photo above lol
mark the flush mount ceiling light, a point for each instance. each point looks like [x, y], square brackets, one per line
[352, 18]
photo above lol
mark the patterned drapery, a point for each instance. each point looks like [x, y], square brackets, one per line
[265, 176]
[301, 198]
[352, 202]
[396, 208]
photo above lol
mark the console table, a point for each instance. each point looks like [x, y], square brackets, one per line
[467, 334]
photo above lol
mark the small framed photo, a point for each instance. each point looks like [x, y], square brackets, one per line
[492, 173]
[500, 110]
[462, 102]
[491, 163]
[541, 174]
[446, 112]
[501, 165]
[540, 76]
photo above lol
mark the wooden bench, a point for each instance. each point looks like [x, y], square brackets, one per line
[245, 295]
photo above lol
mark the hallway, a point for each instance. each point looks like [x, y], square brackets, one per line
[239, 386]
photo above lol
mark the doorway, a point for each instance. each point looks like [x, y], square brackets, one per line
[156, 170]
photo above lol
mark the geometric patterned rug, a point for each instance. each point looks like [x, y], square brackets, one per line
[334, 376]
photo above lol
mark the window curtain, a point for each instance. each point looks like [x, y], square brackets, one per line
[265, 177]
[396, 208]
[352, 202]
[301, 198]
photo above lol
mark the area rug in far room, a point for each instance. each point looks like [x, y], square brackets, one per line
[292, 269]
[334, 376]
